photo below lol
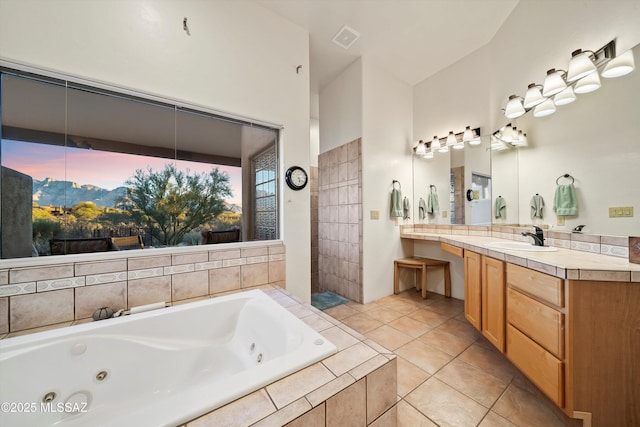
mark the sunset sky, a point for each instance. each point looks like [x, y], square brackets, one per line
[100, 168]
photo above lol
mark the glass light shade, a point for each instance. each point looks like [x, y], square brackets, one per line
[521, 140]
[458, 145]
[580, 65]
[428, 155]
[507, 133]
[475, 141]
[553, 83]
[544, 109]
[587, 84]
[444, 149]
[468, 134]
[451, 139]
[435, 144]
[533, 96]
[565, 97]
[514, 108]
[620, 65]
[421, 149]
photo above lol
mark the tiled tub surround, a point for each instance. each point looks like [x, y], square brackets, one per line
[579, 256]
[64, 289]
[197, 357]
[355, 386]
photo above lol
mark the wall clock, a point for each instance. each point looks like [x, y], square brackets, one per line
[296, 178]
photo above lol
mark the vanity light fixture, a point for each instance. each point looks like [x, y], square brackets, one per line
[533, 96]
[581, 65]
[514, 107]
[560, 87]
[454, 140]
[565, 97]
[508, 137]
[619, 66]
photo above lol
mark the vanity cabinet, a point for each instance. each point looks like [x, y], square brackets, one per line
[484, 296]
[535, 328]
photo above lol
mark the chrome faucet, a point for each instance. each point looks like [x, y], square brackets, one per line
[538, 238]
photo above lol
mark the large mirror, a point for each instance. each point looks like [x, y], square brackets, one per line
[594, 140]
[88, 170]
[454, 187]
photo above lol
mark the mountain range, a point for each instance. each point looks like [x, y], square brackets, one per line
[51, 192]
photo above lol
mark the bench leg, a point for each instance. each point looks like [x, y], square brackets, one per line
[396, 278]
[424, 281]
[447, 281]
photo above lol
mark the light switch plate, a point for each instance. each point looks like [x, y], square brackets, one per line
[374, 214]
[444, 214]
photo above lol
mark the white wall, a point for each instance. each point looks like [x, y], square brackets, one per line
[386, 155]
[239, 58]
[341, 108]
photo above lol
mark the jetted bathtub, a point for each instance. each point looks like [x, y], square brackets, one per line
[157, 368]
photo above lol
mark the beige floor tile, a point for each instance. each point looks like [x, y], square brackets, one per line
[409, 376]
[450, 344]
[446, 406]
[494, 420]
[408, 416]
[488, 360]
[317, 322]
[444, 309]
[389, 337]
[410, 326]
[428, 317]
[525, 409]
[459, 328]
[402, 306]
[423, 356]
[384, 314]
[362, 322]
[341, 311]
[482, 387]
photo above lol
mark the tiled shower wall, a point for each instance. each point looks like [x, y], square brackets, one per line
[340, 220]
[313, 186]
[32, 297]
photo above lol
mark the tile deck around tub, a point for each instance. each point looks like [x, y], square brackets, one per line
[362, 371]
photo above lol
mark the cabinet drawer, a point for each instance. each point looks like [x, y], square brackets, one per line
[536, 363]
[452, 249]
[541, 323]
[543, 286]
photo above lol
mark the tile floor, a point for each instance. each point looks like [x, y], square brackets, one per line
[448, 374]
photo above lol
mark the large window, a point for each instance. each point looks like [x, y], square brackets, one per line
[83, 167]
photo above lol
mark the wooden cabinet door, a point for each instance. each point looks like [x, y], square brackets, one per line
[493, 301]
[472, 288]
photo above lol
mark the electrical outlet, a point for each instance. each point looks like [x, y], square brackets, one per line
[560, 220]
[444, 214]
[375, 214]
[621, 212]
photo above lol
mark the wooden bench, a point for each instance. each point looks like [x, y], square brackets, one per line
[421, 265]
[125, 243]
[224, 236]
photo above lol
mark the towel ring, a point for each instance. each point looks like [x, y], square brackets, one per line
[432, 187]
[394, 182]
[566, 175]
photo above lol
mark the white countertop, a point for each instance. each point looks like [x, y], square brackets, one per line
[563, 263]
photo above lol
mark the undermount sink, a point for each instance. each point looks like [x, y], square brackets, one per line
[519, 246]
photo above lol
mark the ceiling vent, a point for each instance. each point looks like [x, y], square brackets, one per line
[346, 37]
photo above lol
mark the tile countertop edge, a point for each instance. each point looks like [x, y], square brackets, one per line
[563, 263]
